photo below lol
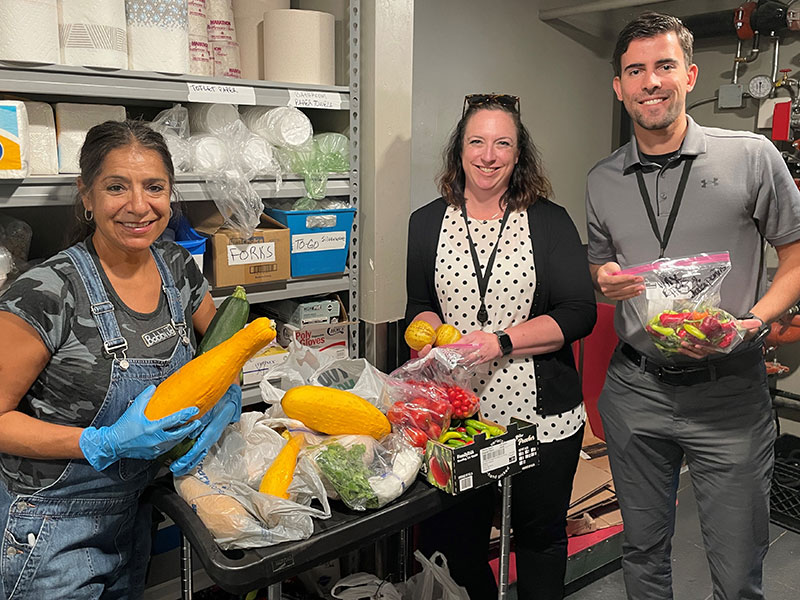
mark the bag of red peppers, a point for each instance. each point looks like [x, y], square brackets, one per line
[425, 393]
[680, 303]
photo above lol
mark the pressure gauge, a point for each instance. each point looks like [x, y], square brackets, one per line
[760, 86]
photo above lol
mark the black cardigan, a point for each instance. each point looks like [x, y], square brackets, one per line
[563, 290]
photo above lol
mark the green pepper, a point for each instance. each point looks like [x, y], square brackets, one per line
[472, 432]
[665, 331]
[475, 424]
[450, 435]
[694, 331]
[495, 431]
[454, 443]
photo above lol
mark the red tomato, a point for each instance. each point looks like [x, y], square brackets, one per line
[416, 436]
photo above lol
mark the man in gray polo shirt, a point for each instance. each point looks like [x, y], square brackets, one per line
[712, 409]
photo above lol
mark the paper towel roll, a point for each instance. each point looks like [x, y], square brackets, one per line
[283, 126]
[29, 31]
[42, 135]
[221, 25]
[248, 16]
[93, 34]
[158, 35]
[211, 118]
[299, 47]
[340, 12]
[209, 154]
[198, 18]
[73, 122]
[226, 59]
[200, 60]
[14, 141]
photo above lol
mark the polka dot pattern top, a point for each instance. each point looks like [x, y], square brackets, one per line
[507, 386]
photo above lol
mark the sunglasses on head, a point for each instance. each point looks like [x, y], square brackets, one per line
[474, 100]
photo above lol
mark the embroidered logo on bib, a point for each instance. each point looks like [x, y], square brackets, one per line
[151, 338]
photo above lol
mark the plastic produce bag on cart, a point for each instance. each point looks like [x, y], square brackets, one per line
[223, 490]
[426, 392]
[434, 582]
[681, 303]
[306, 366]
[364, 586]
[362, 472]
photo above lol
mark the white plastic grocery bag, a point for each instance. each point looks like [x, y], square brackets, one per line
[364, 586]
[434, 582]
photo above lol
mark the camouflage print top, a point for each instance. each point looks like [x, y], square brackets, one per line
[70, 390]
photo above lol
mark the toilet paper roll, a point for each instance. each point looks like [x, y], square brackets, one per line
[29, 31]
[226, 59]
[209, 154]
[299, 47]
[73, 122]
[221, 25]
[93, 34]
[158, 35]
[198, 18]
[211, 118]
[42, 135]
[200, 61]
[283, 126]
[248, 15]
[14, 141]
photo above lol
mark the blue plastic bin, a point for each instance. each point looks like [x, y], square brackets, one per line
[317, 248]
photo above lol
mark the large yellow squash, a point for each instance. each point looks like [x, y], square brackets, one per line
[203, 380]
[335, 412]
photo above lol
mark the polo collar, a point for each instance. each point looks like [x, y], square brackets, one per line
[693, 144]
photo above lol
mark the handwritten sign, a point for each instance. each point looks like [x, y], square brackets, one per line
[219, 93]
[317, 242]
[314, 99]
[248, 254]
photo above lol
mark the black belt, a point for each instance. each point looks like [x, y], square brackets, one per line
[703, 373]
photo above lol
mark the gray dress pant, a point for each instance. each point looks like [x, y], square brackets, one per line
[725, 429]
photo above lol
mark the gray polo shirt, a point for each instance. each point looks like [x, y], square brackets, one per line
[739, 190]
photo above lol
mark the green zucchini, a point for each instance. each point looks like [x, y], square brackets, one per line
[231, 317]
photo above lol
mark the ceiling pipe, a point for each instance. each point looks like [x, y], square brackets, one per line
[591, 7]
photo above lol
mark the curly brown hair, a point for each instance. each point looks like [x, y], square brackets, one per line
[528, 181]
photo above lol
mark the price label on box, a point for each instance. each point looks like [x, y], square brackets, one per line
[319, 242]
[498, 456]
[314, 99]
[248, 254]
[215, 93]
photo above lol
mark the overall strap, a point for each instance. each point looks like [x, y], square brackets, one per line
[101, 307]
[171, 292]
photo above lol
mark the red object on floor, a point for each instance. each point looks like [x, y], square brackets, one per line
[512, 569]
[578, 543]
[592, 356]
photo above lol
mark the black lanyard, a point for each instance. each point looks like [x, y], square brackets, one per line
[673, 212]
[483, 279]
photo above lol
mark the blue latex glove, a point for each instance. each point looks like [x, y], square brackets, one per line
[226, 411]
[136, 436]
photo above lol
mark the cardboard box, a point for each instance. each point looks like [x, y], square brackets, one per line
[232, 260]
[456, 470]
[302, 312]
[265, 360]
[326, 337]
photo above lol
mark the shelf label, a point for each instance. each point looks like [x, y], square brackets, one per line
[314, 99]
[317, 242]
[223, 94]
[248, 254]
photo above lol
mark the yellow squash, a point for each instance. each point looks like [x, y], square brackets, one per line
[419, 334]
[203, 380]
[446, 334]
[279, 476]
[335, 412]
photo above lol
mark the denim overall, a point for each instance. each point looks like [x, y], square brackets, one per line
[85, 536]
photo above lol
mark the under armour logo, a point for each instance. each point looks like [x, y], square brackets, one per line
[706, 183]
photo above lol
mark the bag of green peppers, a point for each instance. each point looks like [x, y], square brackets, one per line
[681, 303]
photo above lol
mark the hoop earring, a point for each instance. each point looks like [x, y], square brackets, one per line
[171, 213]
[87, 214]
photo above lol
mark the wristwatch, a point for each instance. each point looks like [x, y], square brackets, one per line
[762, 332]
[505, 342]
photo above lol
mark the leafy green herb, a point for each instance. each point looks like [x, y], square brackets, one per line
[346, 471]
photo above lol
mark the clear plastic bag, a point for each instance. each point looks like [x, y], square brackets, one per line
[362, 472]
[681, 303]
[334, 152]
[6, 265]
[364, 586]
[424, 393]
[223, 489]
[434, 582]
[173, 124]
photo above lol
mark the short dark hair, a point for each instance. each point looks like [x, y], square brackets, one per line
[102, 139]
[528, 181]
[647, 25]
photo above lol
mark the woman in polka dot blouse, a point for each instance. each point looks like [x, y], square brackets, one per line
[504, 265]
